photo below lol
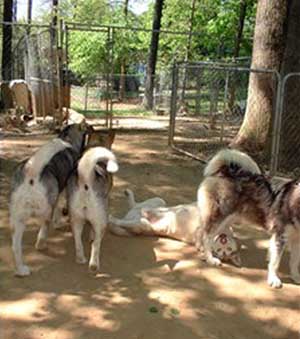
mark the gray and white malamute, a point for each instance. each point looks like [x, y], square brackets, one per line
[234, 189]
[37, 183]
[87, 194]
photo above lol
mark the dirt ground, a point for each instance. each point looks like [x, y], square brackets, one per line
[149, 287]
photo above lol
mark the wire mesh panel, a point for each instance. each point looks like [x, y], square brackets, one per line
[209, 102]
[33, 64]
[288, 151]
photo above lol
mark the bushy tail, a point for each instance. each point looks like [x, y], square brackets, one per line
[89, 162]
[229, 158]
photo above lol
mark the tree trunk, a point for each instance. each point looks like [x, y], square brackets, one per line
[268, 50]
[236, 51]
[188, 47]
[151, 65]
[122, 85]
[7, 41]
[289, 152]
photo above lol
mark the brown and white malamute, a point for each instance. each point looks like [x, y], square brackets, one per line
[234, 189]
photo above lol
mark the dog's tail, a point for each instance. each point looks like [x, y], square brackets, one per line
[93, 161]
[229, 158]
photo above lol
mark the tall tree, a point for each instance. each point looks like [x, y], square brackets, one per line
[152, 58]
[268, 52]
[7, 40]
[188, 46]
[122, 88]
[237, 47]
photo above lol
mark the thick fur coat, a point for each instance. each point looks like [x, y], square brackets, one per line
[234, 189]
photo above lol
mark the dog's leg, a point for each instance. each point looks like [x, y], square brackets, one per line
[18, 230]
[210, 259]
[94, 264]
[59, 210]
[41, 242]
[295, 260]
[276, 248]
[77, 227]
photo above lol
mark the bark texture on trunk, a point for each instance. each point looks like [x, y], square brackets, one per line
[152, 58]
[7, 41]
[268, 51]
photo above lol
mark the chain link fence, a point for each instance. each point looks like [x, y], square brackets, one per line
[287, 124]
[30, 73]
[209, 101]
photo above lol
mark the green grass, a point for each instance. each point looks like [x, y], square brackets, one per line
[126, 112]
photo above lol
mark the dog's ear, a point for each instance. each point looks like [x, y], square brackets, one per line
[111, 138]
[101, 138]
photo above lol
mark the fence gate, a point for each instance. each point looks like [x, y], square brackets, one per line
[208, 104]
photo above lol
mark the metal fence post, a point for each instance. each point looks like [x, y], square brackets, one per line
[173, 104]
[275, 128]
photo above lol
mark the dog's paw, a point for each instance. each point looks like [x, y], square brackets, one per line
[81, 260]
[93, 268]
[214, 261]
[274, 281]
[41, 244]
[22, 271]
[296, 278]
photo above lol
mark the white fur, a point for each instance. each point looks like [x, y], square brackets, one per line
[30, 200]
[86, 205]
[86, 166]
[38, 161]
[181, 222]
[292, 240]
[227, 156]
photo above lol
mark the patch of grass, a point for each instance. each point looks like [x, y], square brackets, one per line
[119, 112]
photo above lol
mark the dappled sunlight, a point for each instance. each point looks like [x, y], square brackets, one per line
[49, 333]
[230, 284]
[88, 314]
[148, 287]
[31, 309]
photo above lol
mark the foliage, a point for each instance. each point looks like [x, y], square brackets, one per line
[215, 23]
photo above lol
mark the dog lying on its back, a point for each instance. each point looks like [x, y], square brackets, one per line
[235, 189]
[181, 222]
[36, 185]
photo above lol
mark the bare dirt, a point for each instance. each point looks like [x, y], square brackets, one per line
[148, 287]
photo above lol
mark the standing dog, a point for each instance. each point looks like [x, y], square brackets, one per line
[235, 189]
[181, 222]
[87, 195]
[36, 185]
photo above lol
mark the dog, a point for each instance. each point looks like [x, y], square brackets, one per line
[36, 185]
[181, 222]
[103, 138]
[284, 224]
[87, 197]
[234, 189]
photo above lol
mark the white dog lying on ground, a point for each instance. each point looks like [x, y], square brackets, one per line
[180, 222]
